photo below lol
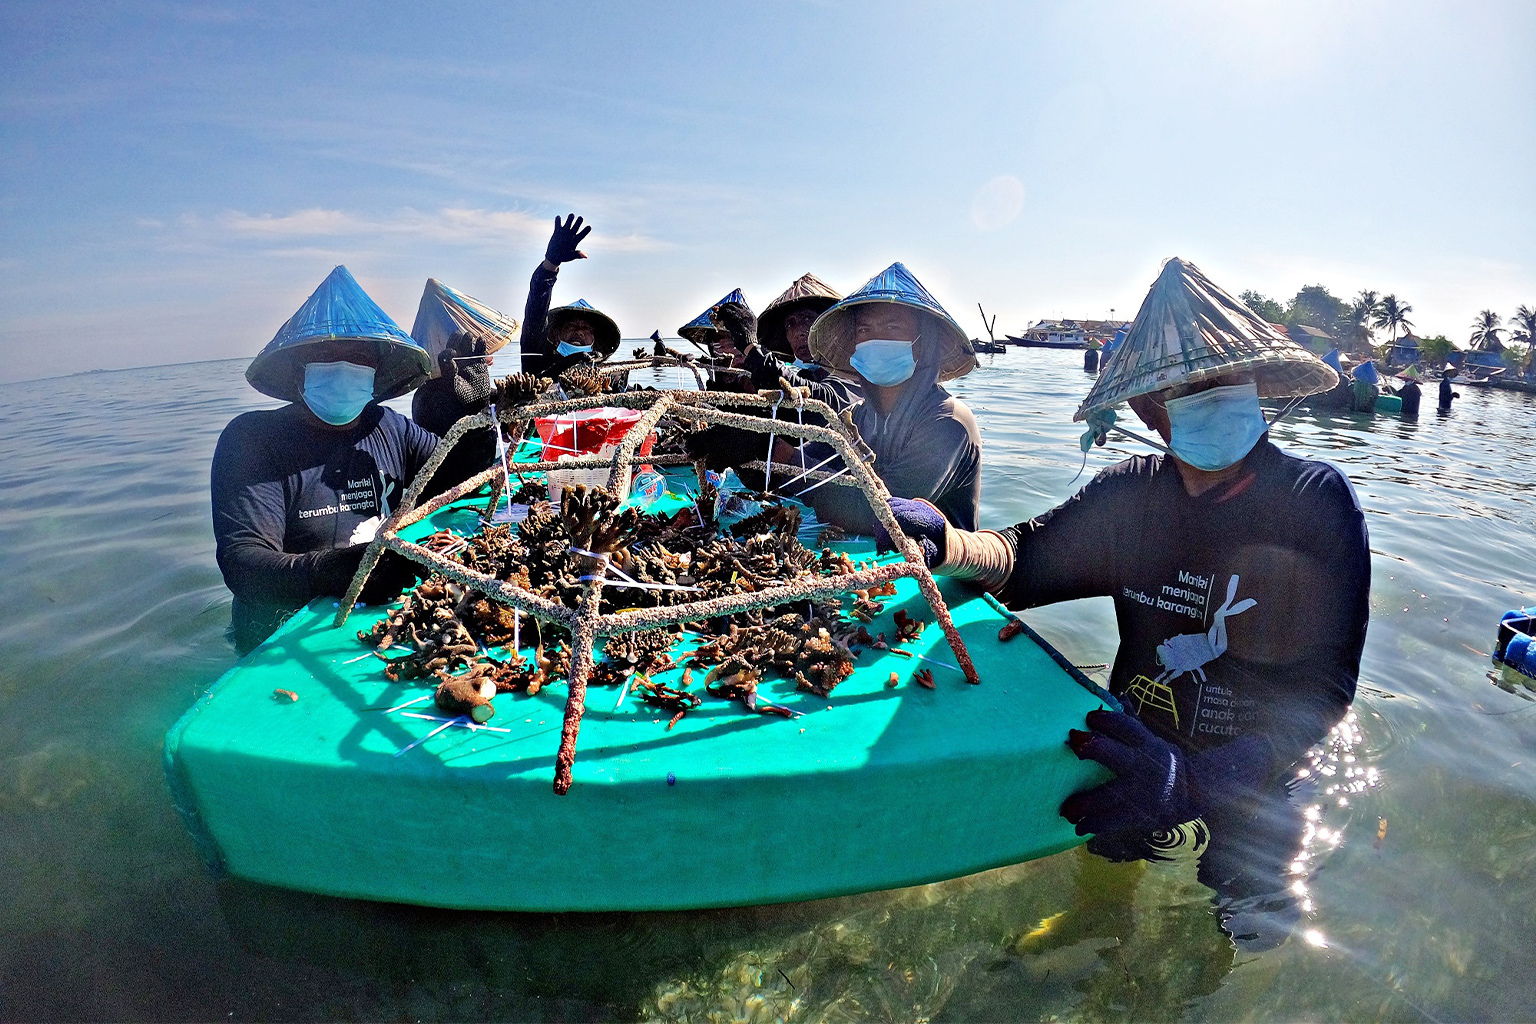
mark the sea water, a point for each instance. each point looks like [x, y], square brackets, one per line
[1413, 895]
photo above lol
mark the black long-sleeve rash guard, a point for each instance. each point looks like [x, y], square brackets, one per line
[289, 495]
[1241, 612]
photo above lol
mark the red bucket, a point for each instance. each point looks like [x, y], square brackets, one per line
[588, 431]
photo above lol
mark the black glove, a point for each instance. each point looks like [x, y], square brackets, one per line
[334, 570]
[565, 239]
[768, 372]
[392, 574]
[919, 520]
[469, 372]
[737, 321]
[721, 448]
[1156, 786]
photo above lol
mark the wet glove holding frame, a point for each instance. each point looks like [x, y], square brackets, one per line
[1156, 785]
[983, 556]
[463, 361]
[334, 569]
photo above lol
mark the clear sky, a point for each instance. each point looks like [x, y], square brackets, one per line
[176, 178]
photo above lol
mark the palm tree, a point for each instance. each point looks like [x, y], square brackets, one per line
[1392, 316]
[1357, 320]
[1485, 332]
[1523, 330]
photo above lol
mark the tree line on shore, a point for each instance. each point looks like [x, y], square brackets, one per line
[1354, 324]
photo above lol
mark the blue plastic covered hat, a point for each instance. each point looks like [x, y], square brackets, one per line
[605, 332]
[1366, 372]
[701, 328]
[832, 336]
[445, 312]
[339, 310]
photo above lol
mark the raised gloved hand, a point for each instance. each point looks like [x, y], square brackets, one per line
[1156, 785]
[736, 320]
[565, 239]
[919, 520]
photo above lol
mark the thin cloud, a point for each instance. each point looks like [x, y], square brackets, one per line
[459, 225]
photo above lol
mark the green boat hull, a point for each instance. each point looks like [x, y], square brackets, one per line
[878, 787]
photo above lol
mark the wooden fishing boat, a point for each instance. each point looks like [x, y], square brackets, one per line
[299, 768]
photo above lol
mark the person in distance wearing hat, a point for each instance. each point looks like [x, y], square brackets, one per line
[1240, 574]
[298, 492]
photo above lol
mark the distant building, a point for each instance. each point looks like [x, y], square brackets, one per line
[1070, 333]
[1404, 351]
[1313, 338]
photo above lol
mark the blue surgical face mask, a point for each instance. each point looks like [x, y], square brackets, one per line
[337, 392]
[801, 364]
[565, 348]
[1214, 429]
[883, 362]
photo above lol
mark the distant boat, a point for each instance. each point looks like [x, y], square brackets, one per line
[1027, 342]
[1069, 334]
[989, 347]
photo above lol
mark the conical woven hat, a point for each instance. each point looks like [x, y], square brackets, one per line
[1189, 330]
[701, 328]
[808, 292]
[445, 312]
[605, 333]
[338, 310]
[832, 336]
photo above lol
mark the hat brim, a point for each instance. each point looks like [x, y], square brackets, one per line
[605, 333]
[277, 372]
[771, 333]
[1189, 330]
[833, 338]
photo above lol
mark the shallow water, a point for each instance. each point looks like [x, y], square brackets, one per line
[115, 619]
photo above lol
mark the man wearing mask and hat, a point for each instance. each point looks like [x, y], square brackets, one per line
[1240, 574]
[298, 492]
[556, 340]
[895, 339]
[782, 349]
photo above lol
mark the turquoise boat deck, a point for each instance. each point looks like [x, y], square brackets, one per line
[875, 788]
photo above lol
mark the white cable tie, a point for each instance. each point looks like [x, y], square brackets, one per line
[813, 469]
[828, 480]
[428, 736]
[935, 661]
[407, 704]
[624, 692]
[462, 721]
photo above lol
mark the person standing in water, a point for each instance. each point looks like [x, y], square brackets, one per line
[298, 492]
[1410, 393]
[1240, 574]
[1447, 396]
[895, 339]
[556, 340]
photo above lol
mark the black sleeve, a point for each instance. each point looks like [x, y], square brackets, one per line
[538, 354]
[250, 516]
[435, 407]
[767, 369]
[1068, 552]
[1311, 694]
[945, 469]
